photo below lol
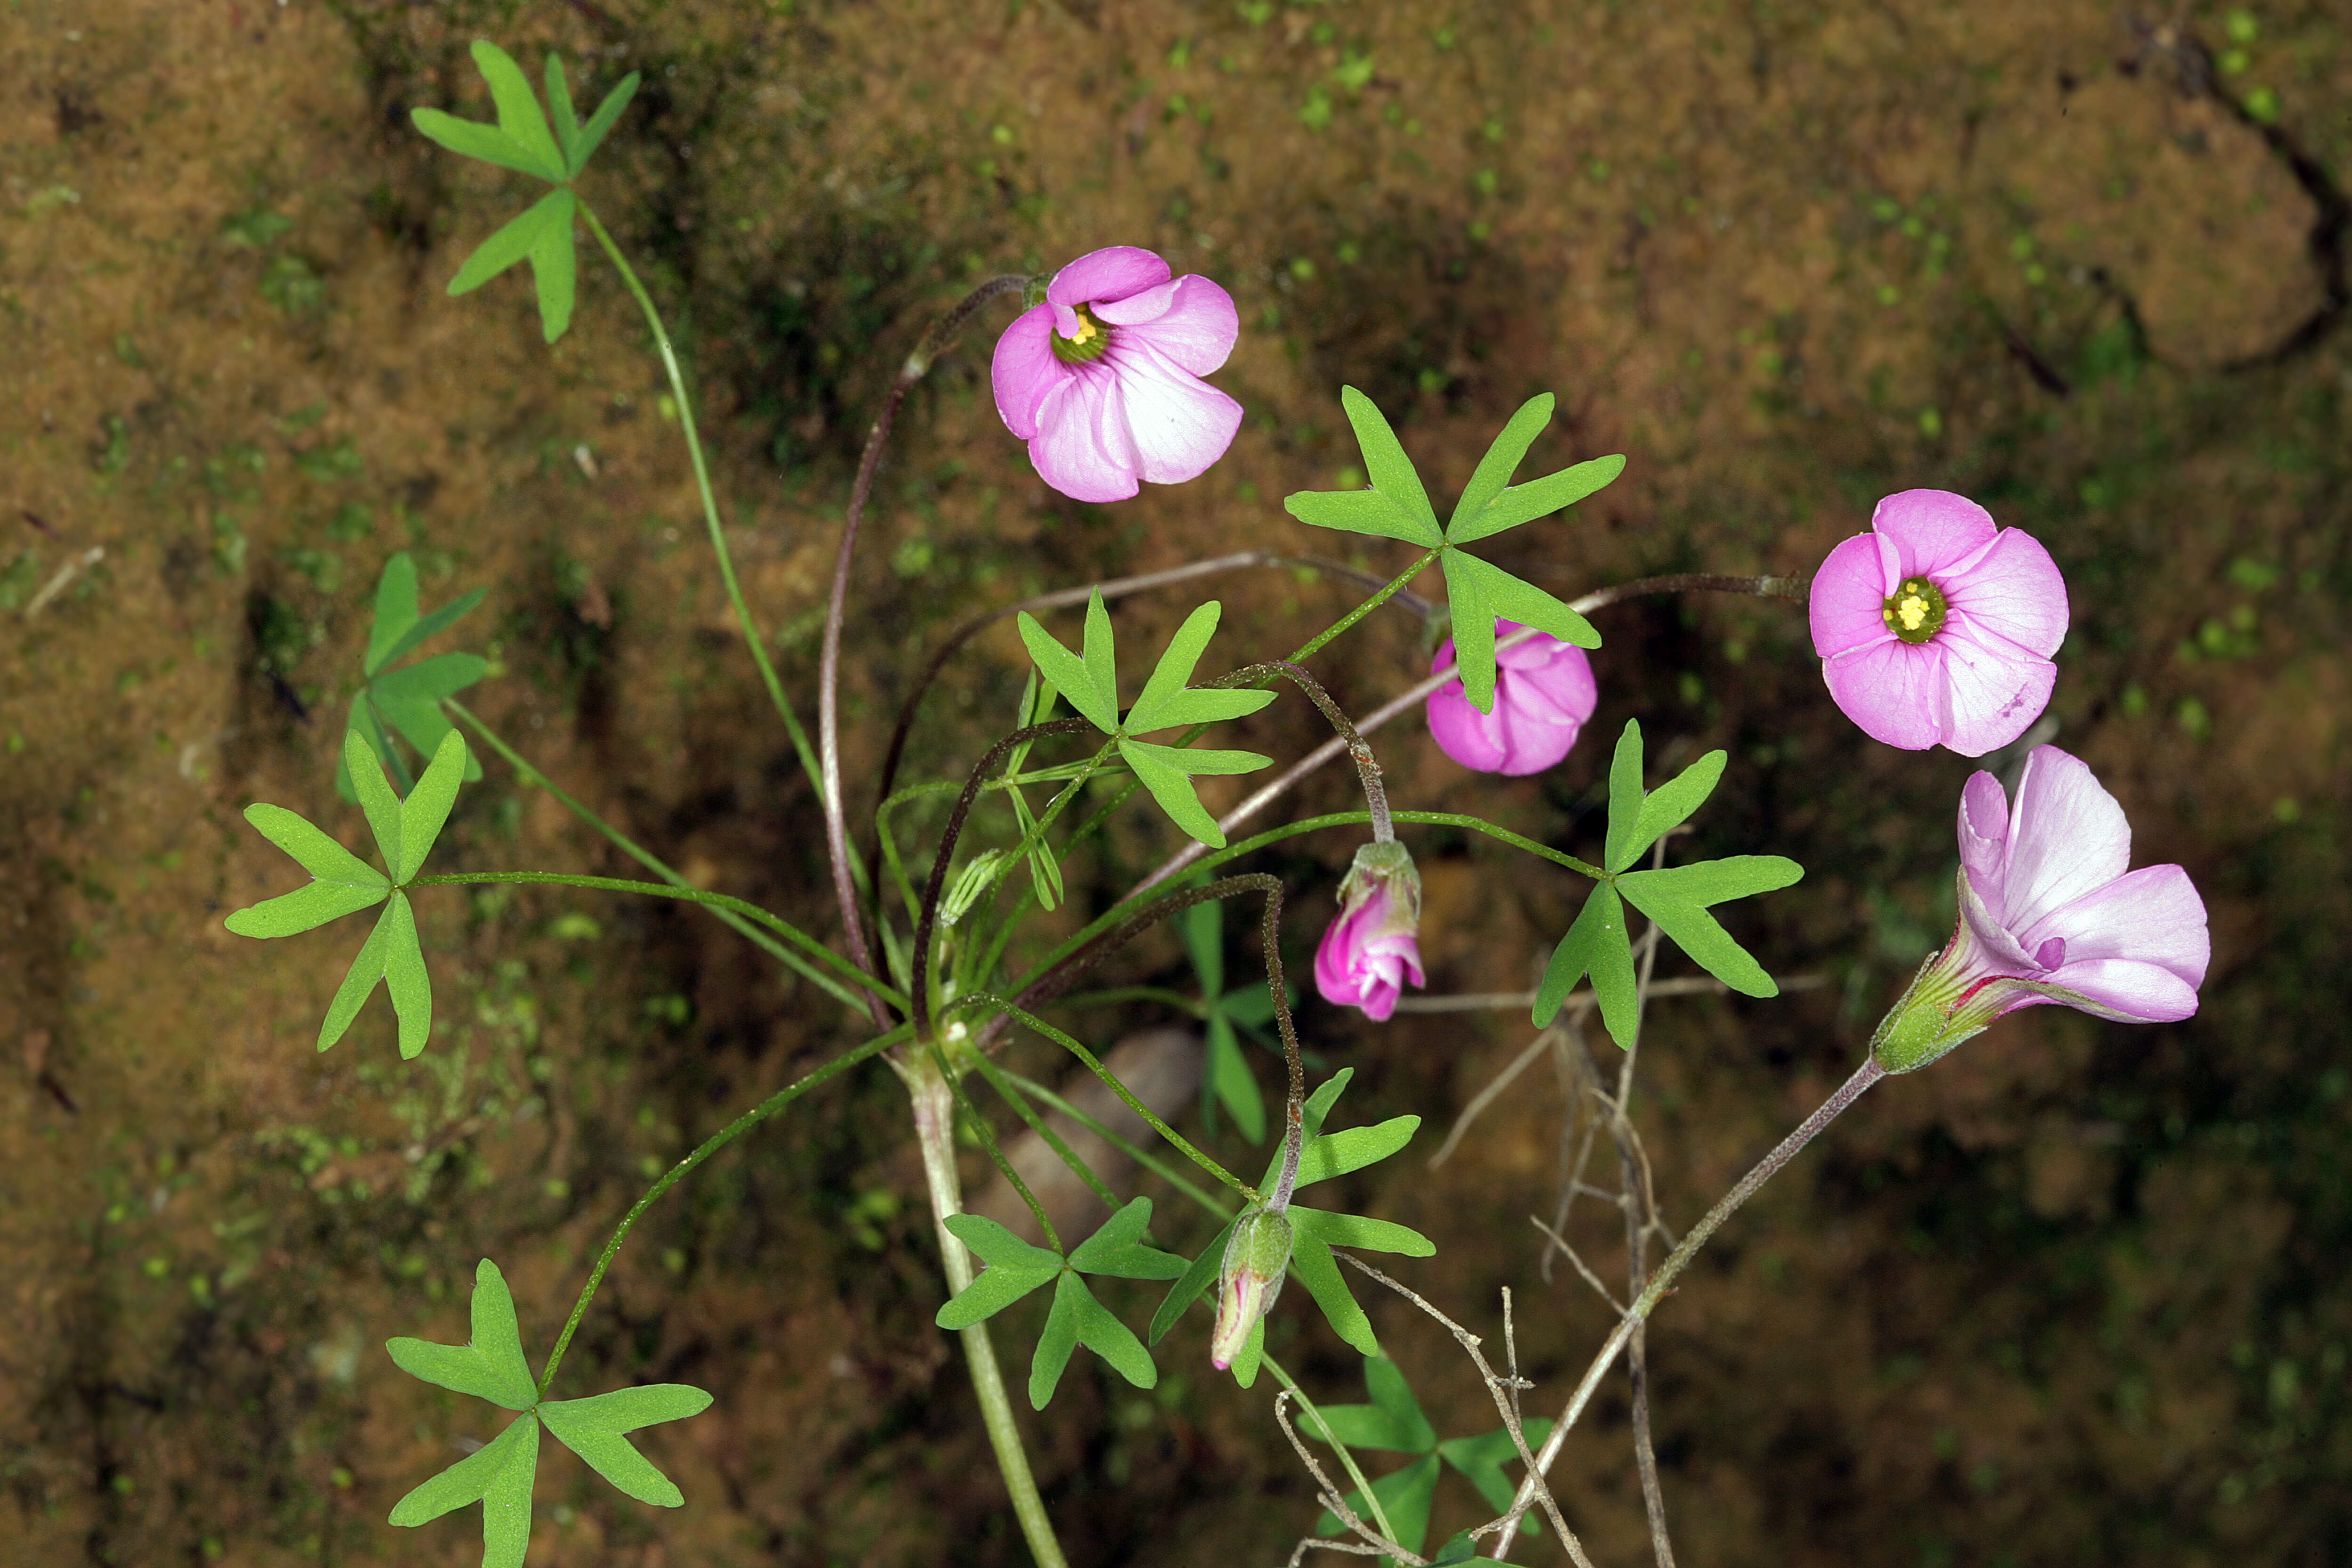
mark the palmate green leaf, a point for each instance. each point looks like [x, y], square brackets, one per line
[997, 1247]
[366, 969]
[395, 613]
[1337, 1153]
[1670, 805]
[1624, 797]
[491, 1366]
[306, 908]
[1165, 770]
[411, 698]
[518, 111]
[1203, 928]
[498, 1476]
[1361, 511]
[544, 234]
[560, 110]
[1230, 1081]
[995, 1288]
[1360, 1426]
[1077, 1318]
[405, 979]
[592, 1428]
[1385, 1381]
[1677, 898]
[1096, 653]
[472, 139]
[1074, 677]
[1391, 470]
[383, 806]
[312, 848]
[1596, 944]
[1312, 1263]
[1198, 1276]
[1512, 599]
[1474, 627]
[1502, 458]
[592, 135]
[420, 630]
[1165, 702]
[1538, 498]
[1405, 1495]
[1117, 1249]
[1358, 1230]
[1483, 1458]
[427, 809]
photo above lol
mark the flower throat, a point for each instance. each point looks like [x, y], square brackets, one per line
[1913, 612]
[1087, 346]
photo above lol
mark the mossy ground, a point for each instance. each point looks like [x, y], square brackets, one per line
[2072, 1295]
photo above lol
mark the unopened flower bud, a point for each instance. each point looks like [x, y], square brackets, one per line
[1255, 1256]
[1367, 953]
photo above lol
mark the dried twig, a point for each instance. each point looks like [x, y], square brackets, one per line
[1328, 1494]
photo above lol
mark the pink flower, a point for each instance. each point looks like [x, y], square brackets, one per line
[1543, 694]
[2049, 913]
[1937, 627]
[1367, 952]
[1103, 379]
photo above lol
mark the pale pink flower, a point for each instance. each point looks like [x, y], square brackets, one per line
[2049, 912]
[1544, 692]
[1367, 954]
[1102, 379]
[1937, 627]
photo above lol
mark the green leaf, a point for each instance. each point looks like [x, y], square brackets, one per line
[1100, 1332]
[558, 110]
[396, 612]
[592, 1429]
[405, 979]
[1495, 468]
[1058, 1340]
[997, 1247]
[1474, 627]
[1252, 1006]
[1232, 1083]
[1514, 600]
[366, 969]
[1405, 1497]
[1385, 1382]
[472, 139]
[423, 814]
[555, 271]
[383, 806]
[592, 135]
[1361, 511]
[1166, 700]
[1198, 1276]
[1356, 1230]
[1246, 1365]
[305, 909]
[1311, 1261]
[312, 848]
[1204, 939]
[1117, 1249]
[1669, 806]
[1460, 1548]
[518, 113]
[1677, 899]
[1538, 498]
[1391, 470]
[419, 631]
[1392, 1420]
[1596, 944]
[1482, 1459]
[544, 234]
[1359, 1426]
[487, 1475]
[1624, 797]
[1070, 675]
[1337, 1153]
[491, 1365]
[411, 698]
[996, 1287]
[1101, 662]
[1165, 776]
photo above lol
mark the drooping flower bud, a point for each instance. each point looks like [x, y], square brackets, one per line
[1255, 1256]
[1368, 950]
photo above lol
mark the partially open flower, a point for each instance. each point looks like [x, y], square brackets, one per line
[1367, 952]
[1937, 627]
[1102, 379]
[2049, 913]
[1544, 692]
[1257, 1253]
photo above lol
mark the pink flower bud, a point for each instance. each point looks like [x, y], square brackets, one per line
[2048, 913]
[1544, 692]
[1369, 950]
[1257, 1253]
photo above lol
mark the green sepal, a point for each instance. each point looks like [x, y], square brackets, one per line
[592, 1428]
[1596, 944]
[1117, 1249]
[1246, 1365]
[491, 1365]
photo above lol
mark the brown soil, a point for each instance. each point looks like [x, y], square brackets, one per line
[2073, 1294]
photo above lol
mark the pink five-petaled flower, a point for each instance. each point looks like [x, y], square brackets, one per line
[1103, 378]
[1543, 694]
[2049, 913]
[1936, 626]
[1367, 951]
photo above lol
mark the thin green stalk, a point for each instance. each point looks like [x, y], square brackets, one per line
[986, 1134]
[1363, 1487]
[1126, 1146]
[1315, 644]
[661, 891]
[935, 1132]
[1037, 1125]
[707, 1147]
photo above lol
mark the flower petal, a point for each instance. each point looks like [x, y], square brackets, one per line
[1191, 321]
[1895, 691]
[2067, 837]
[1179, 424]
[1993, 691]
[1112, 273]
[2152, 915]
[1848, 602]
[1082, 447]
[1931, 529]
[1469, 737]
[2015, 590]
[1025, 370]
[2125, 991]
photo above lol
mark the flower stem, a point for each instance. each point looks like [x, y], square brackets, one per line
[1870, 1072]
[828, 694]
[935, 1131]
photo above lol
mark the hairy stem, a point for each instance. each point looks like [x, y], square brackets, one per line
[934, 1102]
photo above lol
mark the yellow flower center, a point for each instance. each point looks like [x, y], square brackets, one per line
[1914, 611]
